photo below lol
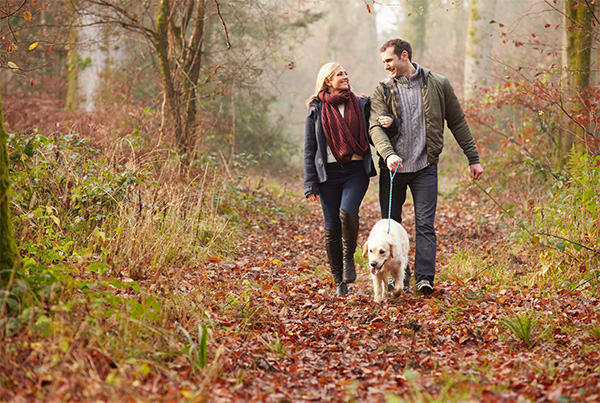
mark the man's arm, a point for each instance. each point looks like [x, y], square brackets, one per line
[378, 134]
[457, 123]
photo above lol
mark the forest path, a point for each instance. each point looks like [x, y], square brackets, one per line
[292, 340]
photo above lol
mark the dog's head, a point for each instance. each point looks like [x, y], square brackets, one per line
[379, 251]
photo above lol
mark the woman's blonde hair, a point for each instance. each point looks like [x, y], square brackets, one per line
[325, 73]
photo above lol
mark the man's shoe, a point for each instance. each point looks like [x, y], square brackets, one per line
[424, 288]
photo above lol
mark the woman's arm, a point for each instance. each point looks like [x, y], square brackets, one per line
[311, 179]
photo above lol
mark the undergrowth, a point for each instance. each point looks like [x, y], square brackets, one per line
[552, 222]
[99, 231]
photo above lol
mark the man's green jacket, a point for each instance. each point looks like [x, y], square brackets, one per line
[440, 105]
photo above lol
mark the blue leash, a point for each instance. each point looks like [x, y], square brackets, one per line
[390, 206]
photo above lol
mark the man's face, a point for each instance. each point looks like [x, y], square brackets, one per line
[392, 62]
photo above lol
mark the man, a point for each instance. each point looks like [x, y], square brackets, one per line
[421, 101]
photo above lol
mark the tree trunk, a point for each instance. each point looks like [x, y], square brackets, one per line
[577, 51]
[101, 51]
[180, 82]
[335, 21]
[192, 61]
[479, 45]
[415, 30]
[72, 63]
[161, 45]
[595, 58]
[9, 256]
[177, 40]
[350, 35]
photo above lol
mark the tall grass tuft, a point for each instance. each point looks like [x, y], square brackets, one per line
[197, 354]
[522, 326]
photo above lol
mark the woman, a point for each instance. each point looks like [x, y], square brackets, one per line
[337, 165]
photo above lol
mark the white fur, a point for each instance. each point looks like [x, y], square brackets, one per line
[388, 255]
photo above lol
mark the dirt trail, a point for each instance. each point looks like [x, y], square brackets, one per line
[317, 347]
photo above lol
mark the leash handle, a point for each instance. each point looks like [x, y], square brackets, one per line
[390, 204]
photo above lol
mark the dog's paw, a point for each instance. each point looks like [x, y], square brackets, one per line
[396, 293]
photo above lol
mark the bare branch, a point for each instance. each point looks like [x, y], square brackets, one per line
[223, 23]
[591, 7]
[124, 19]
[7, 14]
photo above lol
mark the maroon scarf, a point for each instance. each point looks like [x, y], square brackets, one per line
[345, 135]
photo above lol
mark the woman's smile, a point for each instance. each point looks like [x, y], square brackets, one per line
[339, 81]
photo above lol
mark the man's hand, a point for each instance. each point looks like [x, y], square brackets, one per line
[313, 197]
[393, 161]
[476, 171]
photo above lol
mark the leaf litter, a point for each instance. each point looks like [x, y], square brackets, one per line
[279, 334]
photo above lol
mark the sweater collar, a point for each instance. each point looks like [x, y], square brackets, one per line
[413, 78]
[422, 73]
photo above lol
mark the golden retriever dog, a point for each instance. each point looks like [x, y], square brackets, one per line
[388, 255]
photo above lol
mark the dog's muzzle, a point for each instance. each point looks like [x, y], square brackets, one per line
[375, 269]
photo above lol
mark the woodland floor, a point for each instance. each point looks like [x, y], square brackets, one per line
[280, 335]
[450, 345]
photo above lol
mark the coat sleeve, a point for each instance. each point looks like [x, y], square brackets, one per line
[457, 123]
[378, 134]
[392, 129]
[311, 179]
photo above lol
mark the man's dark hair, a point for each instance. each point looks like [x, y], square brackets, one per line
[399, 46]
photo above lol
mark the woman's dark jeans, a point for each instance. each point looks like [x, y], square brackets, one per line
[344, 189]
[423, 187]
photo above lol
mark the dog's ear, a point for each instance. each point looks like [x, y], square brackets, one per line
[366, 249]
[392, 246]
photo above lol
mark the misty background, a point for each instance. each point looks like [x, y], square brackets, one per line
[259, 64]
[348, 33]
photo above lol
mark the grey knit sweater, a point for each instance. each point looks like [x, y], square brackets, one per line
[412, 144]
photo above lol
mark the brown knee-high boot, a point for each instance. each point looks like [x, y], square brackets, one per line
[333, 245]
[349, 239]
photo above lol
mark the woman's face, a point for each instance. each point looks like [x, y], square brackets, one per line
[339, 82]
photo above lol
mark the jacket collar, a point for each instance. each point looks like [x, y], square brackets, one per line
[424, 73]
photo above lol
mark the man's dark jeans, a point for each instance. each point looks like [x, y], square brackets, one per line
[423, 187]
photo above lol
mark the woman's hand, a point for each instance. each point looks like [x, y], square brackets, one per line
[313, 197]
[385, 121]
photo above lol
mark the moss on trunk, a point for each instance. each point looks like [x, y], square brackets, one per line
[9, 257]
[578, 52]
[73, 68]
[161, 44]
